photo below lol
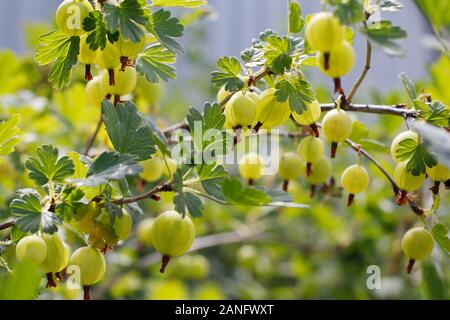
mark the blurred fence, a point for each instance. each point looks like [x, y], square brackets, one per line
[237, 23]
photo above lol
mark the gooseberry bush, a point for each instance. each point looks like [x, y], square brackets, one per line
[125, 48]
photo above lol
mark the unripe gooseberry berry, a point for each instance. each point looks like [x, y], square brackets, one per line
[341, 61]
[91, 263]
[172, 235]
[251, 166]
[311, 150]
[151, 92]
[354, 180]
[144, 231]
[240, 111]
[269, 112]
[194, 267]
[153, 169]
[95, 91]
[310, 115]
[291, 167]
[57, 256]
[336, 126]
[321, 172]
[87, 56]
[324, 32]
[70, 16]
[417, 244]
[129, 48]
[31, 249]
[439, 172]
[125, 81]
[405, 180]
[409, 134]
[122, 224]
[170, 167]
[256, 97]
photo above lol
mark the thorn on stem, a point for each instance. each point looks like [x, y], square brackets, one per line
[401, 198]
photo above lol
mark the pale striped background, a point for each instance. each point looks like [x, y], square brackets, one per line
[237, 23]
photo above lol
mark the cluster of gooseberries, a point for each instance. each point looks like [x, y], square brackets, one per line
[119, 77]
[335, 55]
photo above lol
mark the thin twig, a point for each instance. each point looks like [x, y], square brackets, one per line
[363, 73]
[7, 225]
[93, 137]
[166, 187]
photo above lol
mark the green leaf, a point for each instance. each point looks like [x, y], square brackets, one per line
[253, 57]
[437, 139]
[359, 131]
[185, 201]
[384, 36]
[22, 284]
[179, 3]
[348, 11]
[71, 201]
[47, 167]
[436, 11]
[230, 74]
[277, 54]
[439, 115]
[9, 134]
[236, 193]
[32, 216]
[440, 235]
[432, 286]
[417, 156]
[109, 166]
[98, 34]
[128, 17]
[409, 86]
[295, 18]
[157, 136]
[390, 5]
[165, 28]
[156, 62]
[211, 177]
[127, 130]
[298, 92]
[63, 50]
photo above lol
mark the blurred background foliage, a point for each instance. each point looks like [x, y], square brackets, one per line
[245, 253]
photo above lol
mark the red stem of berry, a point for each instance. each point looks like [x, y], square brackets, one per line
[87, 73]
[410, 265]
[350, 199]
[155, 197]
[87, 293]
[112, 80]
[124, 63]
[308, 169]
[285, 186]
[326, 63]
[251, 182]
[315, 130]
[435, 187]
[312, 191]
[334, 146]
[164, 263]
[401, 198]
[50, 281]
[337, 85]
[116, 99]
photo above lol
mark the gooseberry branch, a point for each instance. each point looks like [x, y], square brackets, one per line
[7, 225]
[93, 137]
[165, 187]
[363, 75]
